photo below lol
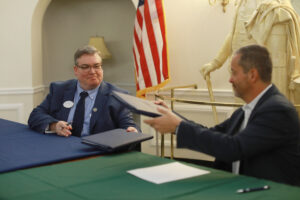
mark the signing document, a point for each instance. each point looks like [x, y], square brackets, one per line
[167, 172]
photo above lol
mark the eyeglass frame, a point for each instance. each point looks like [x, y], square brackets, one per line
[87, 68]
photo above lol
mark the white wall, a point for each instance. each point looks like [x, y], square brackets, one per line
[195, 31]
[15, 36]
[20, 41]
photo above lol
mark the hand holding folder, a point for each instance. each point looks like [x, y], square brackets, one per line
[137, 105]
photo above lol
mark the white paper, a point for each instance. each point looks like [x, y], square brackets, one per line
[167, 172]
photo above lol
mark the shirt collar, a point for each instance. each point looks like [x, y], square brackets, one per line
[252, 104]
[92, 93]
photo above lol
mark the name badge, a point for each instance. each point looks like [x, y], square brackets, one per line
[68, 104]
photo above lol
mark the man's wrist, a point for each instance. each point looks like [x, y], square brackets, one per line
[177, 128]
[47, 130]
[51, 128]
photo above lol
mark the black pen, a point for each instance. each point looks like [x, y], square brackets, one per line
[67, 124]
[266, 187]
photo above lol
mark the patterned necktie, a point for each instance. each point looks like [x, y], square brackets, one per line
[79, 115]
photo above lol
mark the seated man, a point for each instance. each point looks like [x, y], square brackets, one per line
[84, 106]
[261, 139]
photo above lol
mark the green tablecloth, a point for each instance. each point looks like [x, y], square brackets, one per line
[106, 178]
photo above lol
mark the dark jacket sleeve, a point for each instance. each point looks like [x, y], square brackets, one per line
[41, 117]
[272, 125]
[213, 141]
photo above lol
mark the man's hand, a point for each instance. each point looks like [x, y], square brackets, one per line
[161, 103]
[61, 128]
[166, 123]
[131, 129]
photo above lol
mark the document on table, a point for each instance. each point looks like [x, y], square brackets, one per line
[114, 139]
[167, 172]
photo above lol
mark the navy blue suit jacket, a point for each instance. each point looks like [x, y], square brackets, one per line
[268, 147]
[110, 113]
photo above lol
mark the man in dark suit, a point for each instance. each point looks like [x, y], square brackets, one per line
[261, 139]
[59, 114]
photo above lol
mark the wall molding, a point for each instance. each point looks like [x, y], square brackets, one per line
[18, 107]
[22, 91]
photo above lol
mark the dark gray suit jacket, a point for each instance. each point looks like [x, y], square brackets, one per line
[110, 113]
[268, 147]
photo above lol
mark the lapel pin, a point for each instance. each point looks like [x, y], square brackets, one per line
[68, 104]
[95, 109]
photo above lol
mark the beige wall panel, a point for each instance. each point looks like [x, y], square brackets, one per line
[15, 40]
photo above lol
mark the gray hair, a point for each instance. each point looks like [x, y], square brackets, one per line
[258, 57]
[89, 50]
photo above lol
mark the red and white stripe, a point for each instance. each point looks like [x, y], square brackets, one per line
[149, 47]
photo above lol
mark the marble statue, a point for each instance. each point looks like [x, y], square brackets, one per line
[273, 24]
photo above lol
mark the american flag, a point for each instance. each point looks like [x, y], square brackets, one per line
[150, 47]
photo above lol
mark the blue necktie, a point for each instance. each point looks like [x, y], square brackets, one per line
[78, 119]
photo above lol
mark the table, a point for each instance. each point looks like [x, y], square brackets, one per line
[21, 147]
[106, 178]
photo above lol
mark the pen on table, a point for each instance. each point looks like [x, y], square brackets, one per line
[266, 187]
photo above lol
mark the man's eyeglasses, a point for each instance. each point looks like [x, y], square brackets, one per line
[86, 67]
